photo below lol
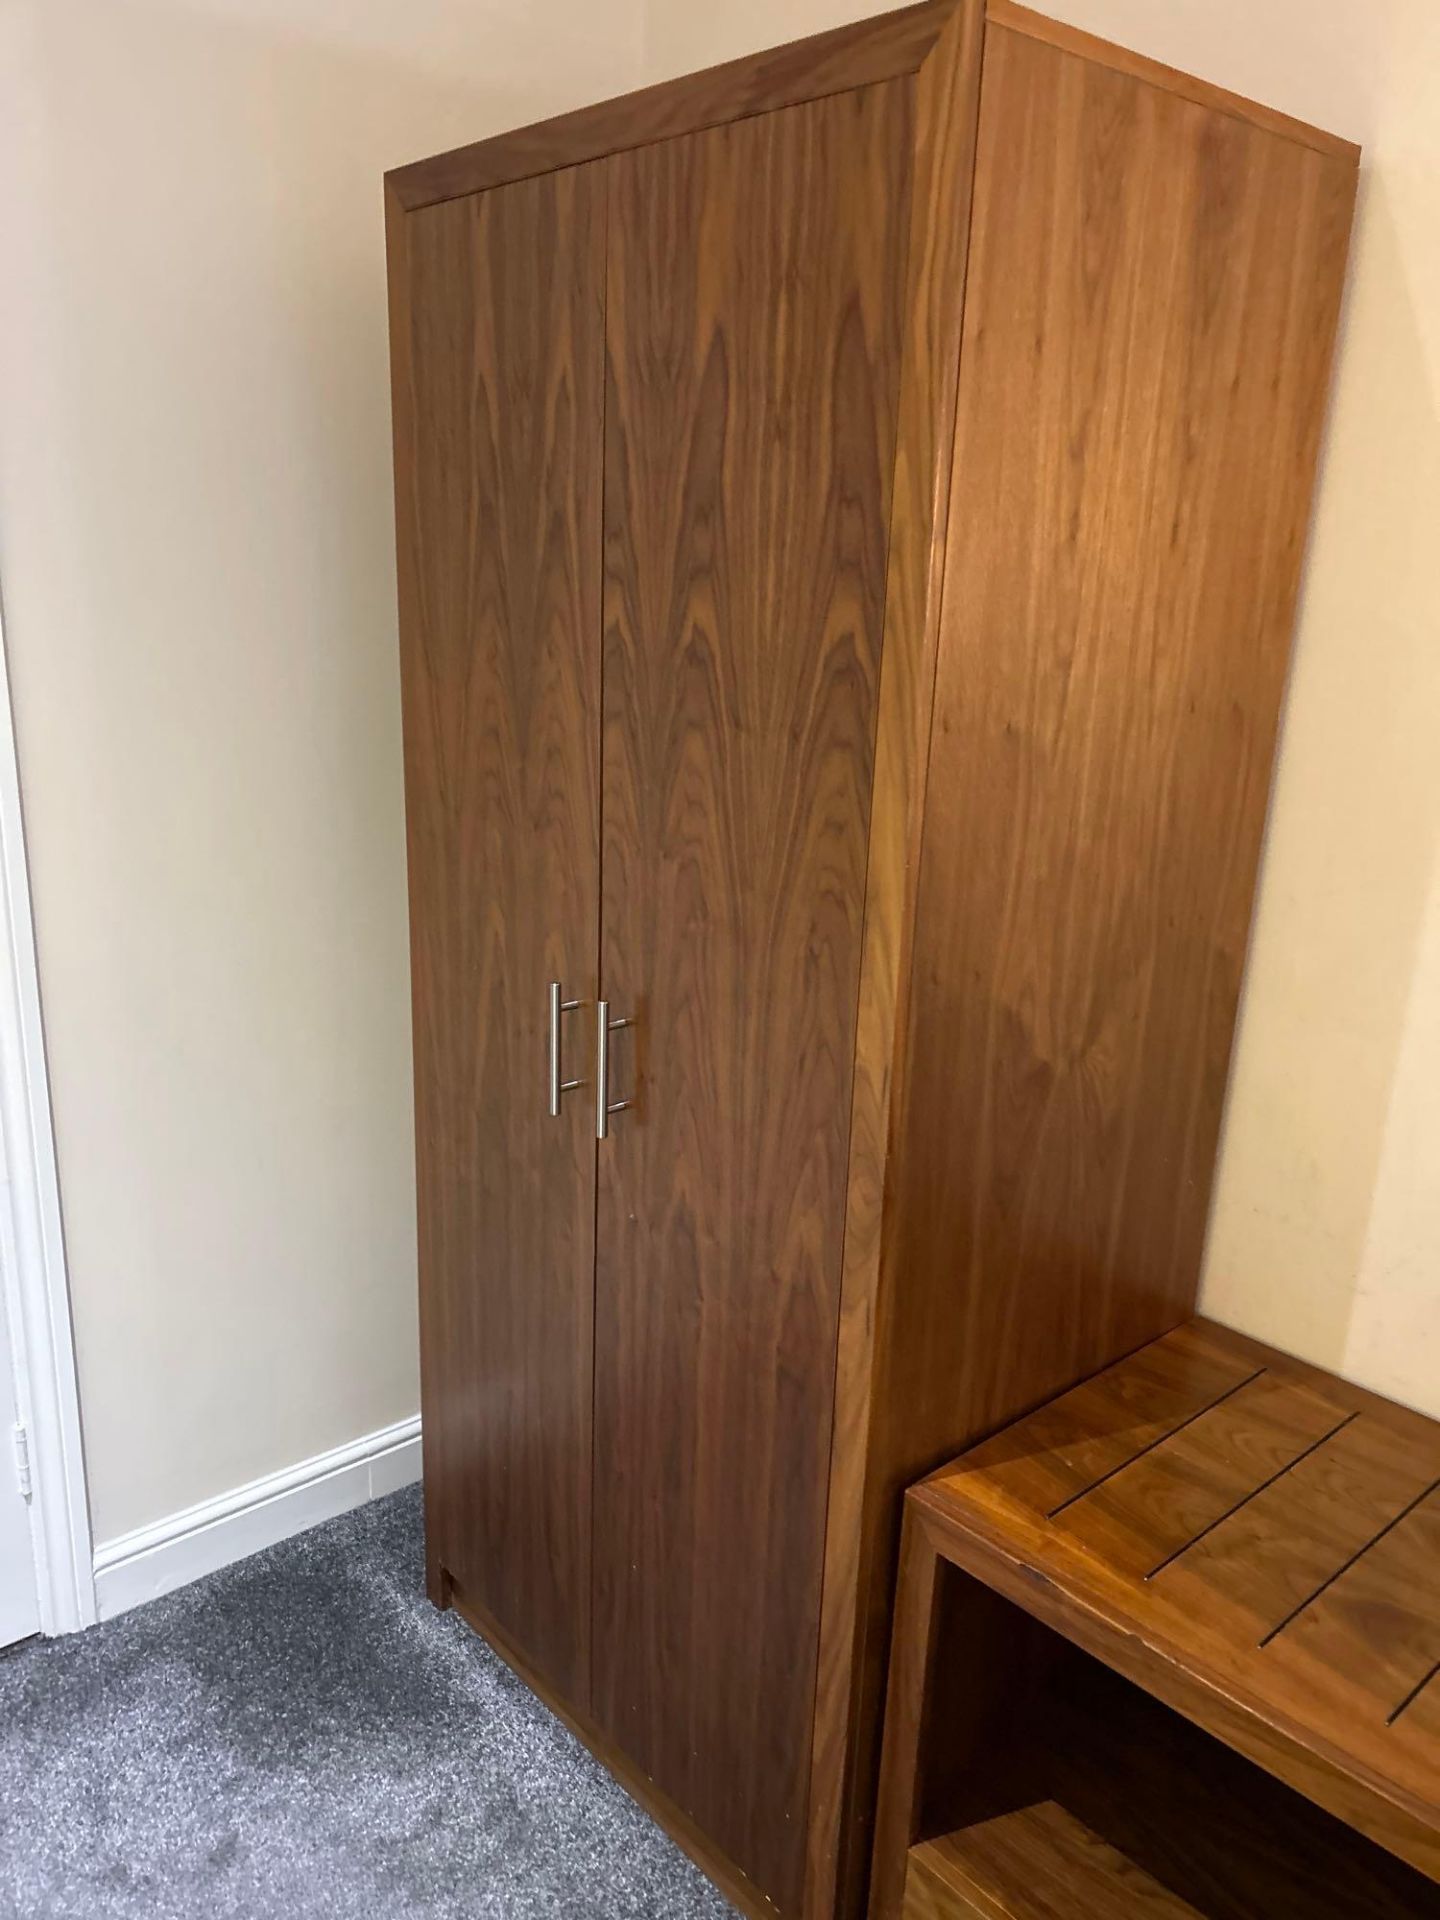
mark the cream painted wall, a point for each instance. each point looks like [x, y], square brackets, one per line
[1325, 1235]
[196, 558]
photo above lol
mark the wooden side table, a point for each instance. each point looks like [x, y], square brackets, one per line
[1171, 1647]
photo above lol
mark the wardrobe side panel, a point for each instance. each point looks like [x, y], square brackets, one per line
[754, 320]
[1150, 317]
[499, 365]
[947, 101]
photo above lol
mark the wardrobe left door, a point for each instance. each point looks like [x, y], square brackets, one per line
[497, 341]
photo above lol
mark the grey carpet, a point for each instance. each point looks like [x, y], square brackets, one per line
[303, 1735]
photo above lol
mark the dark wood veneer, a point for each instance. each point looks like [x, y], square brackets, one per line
[860, 54]
[498, 338]
[754, 321]
[937, 515]
[855, 1609]
[1151, 305]
[1215, 1569]
[742, 1894]
[1104, 53]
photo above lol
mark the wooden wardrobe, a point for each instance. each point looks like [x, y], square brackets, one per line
[850, 511]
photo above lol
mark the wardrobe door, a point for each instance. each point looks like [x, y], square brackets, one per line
[753, 322]
[499, 355]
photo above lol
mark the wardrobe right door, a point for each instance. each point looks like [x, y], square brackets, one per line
[754, 288]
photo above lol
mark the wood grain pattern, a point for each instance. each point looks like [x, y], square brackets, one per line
[861, 53]
[722, 1872]
[914, 1648]
[1416, 1725]
[1090, 546]
[1100, 549]
[1377, 1621]
[1081, 1794]
[1150, 314]
[1025, 1778]
[1144, 1515]
[497, 332]
[1034, 1863]
[1104, 53]
[1327, 1507]
[853, 1622]
[755, 289]
[1142, 383]
[1202, 1821]
[1074, 1445]
[1316, 1689]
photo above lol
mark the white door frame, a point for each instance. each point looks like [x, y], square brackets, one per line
[32, 1247]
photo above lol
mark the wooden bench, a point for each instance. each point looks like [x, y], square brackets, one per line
[1169, 1647]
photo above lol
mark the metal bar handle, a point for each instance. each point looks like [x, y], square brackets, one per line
[604, 1106]
[557, 1085]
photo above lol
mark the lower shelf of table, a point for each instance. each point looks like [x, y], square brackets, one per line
[1059, 1790]
[1036, 1863]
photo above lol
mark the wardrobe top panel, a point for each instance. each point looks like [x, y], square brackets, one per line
[856, 55]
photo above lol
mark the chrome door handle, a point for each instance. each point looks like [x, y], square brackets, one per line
[557, 1085]
[604, 1106]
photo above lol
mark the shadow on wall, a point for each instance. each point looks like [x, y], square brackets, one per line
[1322, 1195]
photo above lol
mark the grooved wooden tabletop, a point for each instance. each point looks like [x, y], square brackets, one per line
[1252, 1540]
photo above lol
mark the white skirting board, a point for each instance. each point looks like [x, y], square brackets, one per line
[157, 1559]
